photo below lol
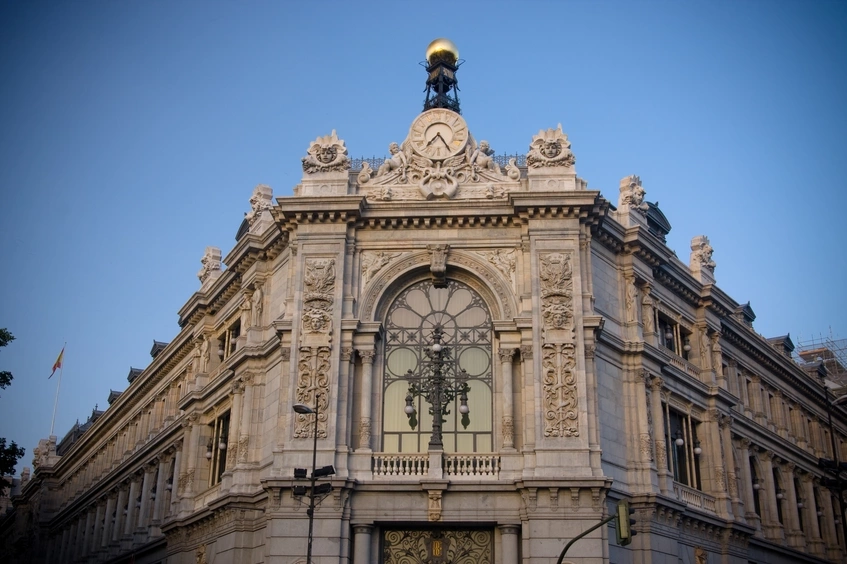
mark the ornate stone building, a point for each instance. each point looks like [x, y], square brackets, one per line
[594, 364]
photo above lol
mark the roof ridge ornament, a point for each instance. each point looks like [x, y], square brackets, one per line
[442, 87]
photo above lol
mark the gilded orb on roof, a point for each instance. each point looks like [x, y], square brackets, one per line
[442, 44]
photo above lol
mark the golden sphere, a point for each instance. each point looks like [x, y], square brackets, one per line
[439, 45]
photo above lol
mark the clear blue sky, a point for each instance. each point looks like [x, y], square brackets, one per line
[132, 133]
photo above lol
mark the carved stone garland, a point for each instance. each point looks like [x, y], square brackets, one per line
[558, 350]
[313, 366]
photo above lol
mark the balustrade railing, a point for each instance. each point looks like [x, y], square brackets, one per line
[386, 464]
[694, 498]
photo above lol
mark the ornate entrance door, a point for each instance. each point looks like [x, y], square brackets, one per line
[437, 546]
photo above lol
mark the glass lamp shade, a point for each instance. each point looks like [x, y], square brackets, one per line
[208, 455]
[698, 451]
[679, 441]
[409, 409]
[222, 445]
[464, 409]
[756, 486]
[436, 347]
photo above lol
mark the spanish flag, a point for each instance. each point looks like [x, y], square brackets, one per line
[58, 363]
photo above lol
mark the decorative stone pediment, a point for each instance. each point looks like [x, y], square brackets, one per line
[439, 159]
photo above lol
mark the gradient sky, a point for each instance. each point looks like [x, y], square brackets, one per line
[133, 132]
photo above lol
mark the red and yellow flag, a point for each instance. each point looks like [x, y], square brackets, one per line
[58, 364]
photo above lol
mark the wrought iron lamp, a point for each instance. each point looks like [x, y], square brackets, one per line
[438, 381]
[316, 473]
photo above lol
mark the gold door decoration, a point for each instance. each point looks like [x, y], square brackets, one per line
[438, 547]
[558, 350]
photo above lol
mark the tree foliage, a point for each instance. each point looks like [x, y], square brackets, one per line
[5, 377]
[9, 455]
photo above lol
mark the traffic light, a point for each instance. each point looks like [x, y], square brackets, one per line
[625, 523]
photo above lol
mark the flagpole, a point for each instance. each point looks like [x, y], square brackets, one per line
[58, 385]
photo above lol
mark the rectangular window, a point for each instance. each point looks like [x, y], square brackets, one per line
[683, 448]
[216, 448]
[674, 337]
[227, 340]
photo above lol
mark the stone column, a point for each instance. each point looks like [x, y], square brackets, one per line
[129, 526]
[146, 486]
[246, 420]
[365, 406]
[362, 542]
[528, 384]
[725, 425]
[63, 547]
[76, 546]
[771, 525]
[648, 315]
[717, 359]
[661, 448]
[86, 533]
[506, 356]
[830, 537]
[756, 400]
[107, 524]
[191, 458]
[175, 483]
[747, 485]
[119, 513]
[509, 537]
[235, 423]
[160, 489]
[795, 534]
[99, 526]
[715, 461]
[745, 394]
[813, 532]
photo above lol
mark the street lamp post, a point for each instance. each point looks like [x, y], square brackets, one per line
[314, 492]
[439, 382]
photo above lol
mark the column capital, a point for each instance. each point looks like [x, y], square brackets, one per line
[506, 354]
[367, 355]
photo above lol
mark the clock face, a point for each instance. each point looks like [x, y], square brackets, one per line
[439, 134]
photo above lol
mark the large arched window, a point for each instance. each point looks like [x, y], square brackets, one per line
[466, 322]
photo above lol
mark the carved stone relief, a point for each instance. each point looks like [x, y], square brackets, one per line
[550, 148]
[438, 158]
[211, 262]
[701, 254]
[326, 154]
[260, 201]
[312, 389]
[504, 260]
[318, 296]
[558, 360]
[631, 195]
[373, 261]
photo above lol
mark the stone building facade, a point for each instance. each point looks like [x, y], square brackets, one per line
[599, 367]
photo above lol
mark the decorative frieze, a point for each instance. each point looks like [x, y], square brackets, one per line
[312, 389]
[558, 362]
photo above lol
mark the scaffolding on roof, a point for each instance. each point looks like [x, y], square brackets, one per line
[831, 352]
